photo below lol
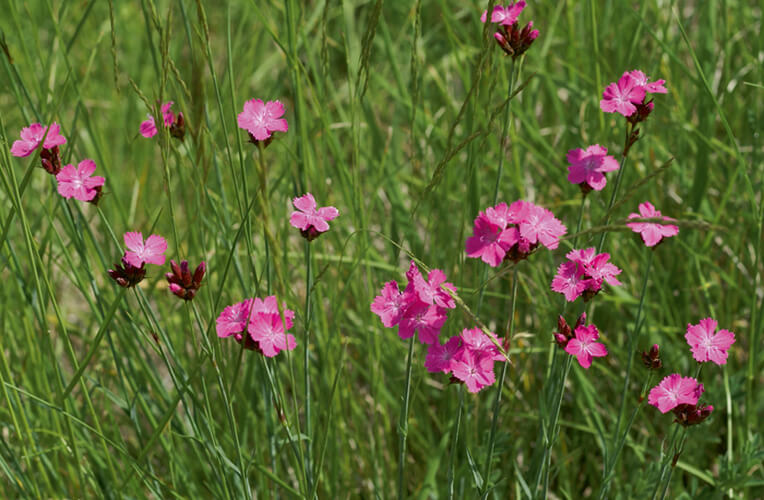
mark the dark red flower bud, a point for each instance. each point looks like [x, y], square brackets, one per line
[51, 160]
[651, 358]
[178, 128]
[182, 283]
[127, 275]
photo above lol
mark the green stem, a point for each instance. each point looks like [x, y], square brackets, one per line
[500, 386]
[306, 366]
[403, 424]
[454, 443]
[552, 429]
[614, 195]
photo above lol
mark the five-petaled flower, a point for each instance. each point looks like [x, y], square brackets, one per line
[258, 325]
[151, 251]
[261, 119]
[77, 182]
[707, 344]
[588, 167]
[652, 232]
[506, 16]
[32, 136]
[310, 220]
[673, 391]
[627, 96]
[468, 357]
[584, 274]
[584, 345]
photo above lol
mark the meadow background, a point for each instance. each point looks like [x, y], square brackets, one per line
[395, 114]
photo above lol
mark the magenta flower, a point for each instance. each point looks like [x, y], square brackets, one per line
[439, 355]
[424, 319]
[150, 252]
[474, 370]
[233, 320]
[569, 280]
[268, 330]
[390, 305]
[584, 274]
[652, 233]
[641, 80]
[506, 16]
[512, 232]
[480, 344]
[311, 221]
[32, 137]
[622, 96]
[260, 119]
[77, 182]
[584, 346]
[148, 127]
[673, 391]
[707, 344]
[587, 167]
[434, 290]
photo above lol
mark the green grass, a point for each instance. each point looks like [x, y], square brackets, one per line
[396, 113]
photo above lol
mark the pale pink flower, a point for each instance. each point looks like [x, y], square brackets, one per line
[475, 371]
[148, 127]
[268, 330]
[389, 305]
[150, 252]
[622, 96]
[641, 80]
[262, 119]
[599, 270]
[310, 220]
[77, 182]
[584, 346]
[505, 15]
[588, 167]
[652, 232]
[439, 355]
[673, 391]
[707, 344]
[32, 137]
[540, 225]
[233, 320]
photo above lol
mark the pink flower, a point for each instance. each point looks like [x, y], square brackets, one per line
[427, 320]
[599, 270]
[489, 241]
[569, 280]
[262, 119]
[621, 97]
[652, 233]
[587, 167]
[641, 80]
[78, 183]
[150, 252]
[584, 346]
[439, 355]
[474, 370]
[584, 274]
[540, 225]
[707, 344]
[309, 220]
[479, 343]
[148, 127]
[267, 328]
[390, 305]
[673, 391]
[32, 136]
[233, 320]
[505, 15]
[432, 291]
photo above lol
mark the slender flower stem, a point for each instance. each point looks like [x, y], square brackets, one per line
[552, 430]
[454, 442]
[306, 366]
[403, 423]
[499, 387]
[614, 195]
[665, 462]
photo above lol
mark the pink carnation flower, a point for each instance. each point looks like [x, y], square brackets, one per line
[148, 127]
[622, 96]
[673, 391]
[32, 137]
[480, 344]
[584, 274]
[77, 182]
[474, 370]
[490, 241]
[569, 280]
[641, 80]
[424, 319]
[309, 220]
[433, 291]
[267, 328]
[652, 233]
[707, 344]
[506, 16]
[539, 225]
[584, 346]
[150, 252]
[439, 355]
[262, 119]
[390, 305]
[233, 320]
[587, 167]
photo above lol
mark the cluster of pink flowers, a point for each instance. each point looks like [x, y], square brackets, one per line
[580, 341]
[652, 232]
[468, 357]
[176, 124]
[587, 167]
[266, 330]
[78, 183]
[512, 39]
[627, 95]
[584, 273]
[513, 232]
[139, 252]
[310, 220]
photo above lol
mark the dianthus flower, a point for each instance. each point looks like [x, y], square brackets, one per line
[504, 15]
[475, 371]
[564, 332]
[177, 124]
[673, 391]
[77, 182]
[707, 344]
[588, 167]
[420, 308]
[652, 232]
[512, 232]
[584, 345]
[627, 96]
[584, 273]
[308, 219]
[260, 120]
[439, 355]
[32, 137]
[151, 251]
[512, 39]
[263, 324]
[182, 283]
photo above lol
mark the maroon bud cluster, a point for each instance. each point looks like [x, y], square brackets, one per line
[178, 127]
[688, 415]
[127, 275]
[515, 41]
[564, 333]
[51, 160]
[182, 283]
[652, 359]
